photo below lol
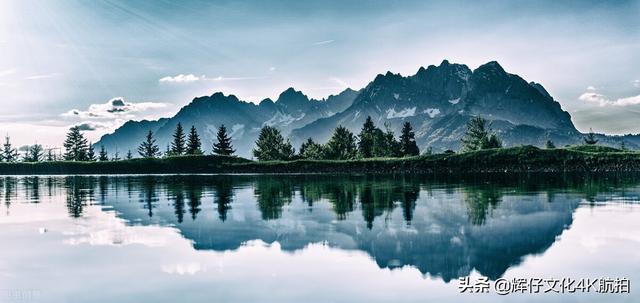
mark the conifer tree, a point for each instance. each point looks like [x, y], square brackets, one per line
[311, 150]
[223, 146]
[341, 145]
[76, 145]
[116, 156]
[479, 136]
[103, 156]
[129, 155]
[367, 137]
[50, 155]
[148, 148]
[178, 144]
[35, 153]
[408, 145]
[91, 154]
[193, 143]
[272, 146]
[9, 154]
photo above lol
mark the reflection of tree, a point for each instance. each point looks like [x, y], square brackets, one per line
[194, 194]
[175, 192]
[148, 194]
[223, 196]
[480, 200]
[103, 187]
[32, 188]
[79, 192]
[9, 190]
[272, 194]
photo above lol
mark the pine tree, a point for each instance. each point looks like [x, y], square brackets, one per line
[50, 155]
[148, 148]
[408, 145]
[311, 150]
[367, 136]
[104, 156]
[178, 144]
[35, 153]
[129, 155]
[116, 156]
[549, 145]
[479, 136]
[9, 154]
[193, 142]
[91, 154]
[590, 139]
[272, 146]
[341, 145]
[76, 145]
[223, 146]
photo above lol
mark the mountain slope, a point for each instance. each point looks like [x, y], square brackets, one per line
[439, 100]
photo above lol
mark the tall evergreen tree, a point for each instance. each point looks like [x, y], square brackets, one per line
[116, 156]
[193, 142]
[272, 146]
[477, 134]
[311, 150]
[148, 148]
[35, 153]
[129, 155]
[9, 154]
[408, 145]
[367, 137]
[91, 154]
[76, 145]
[223, 146]
[103, 156]
[591, 139]
[50, 155]
[341, 145]
[178, 144]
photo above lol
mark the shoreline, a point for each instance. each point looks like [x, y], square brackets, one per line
[514, 160]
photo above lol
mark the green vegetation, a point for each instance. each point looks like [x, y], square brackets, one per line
[193, 142]
[148, 149]
[271, 146]
[223, 147]
[505, 160]
[479, 136]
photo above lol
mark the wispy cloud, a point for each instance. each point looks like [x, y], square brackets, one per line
[592, 96]
[44, 76]
[181, 78]
[7, 72]
[323, 42]
[636, 83]
[189, 78]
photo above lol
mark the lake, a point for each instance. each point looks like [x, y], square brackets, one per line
[315, 238]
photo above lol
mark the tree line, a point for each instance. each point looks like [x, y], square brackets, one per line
[271, 145]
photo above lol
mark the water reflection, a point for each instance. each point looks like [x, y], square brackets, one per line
[444, 228]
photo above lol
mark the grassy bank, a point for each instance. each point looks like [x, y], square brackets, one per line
[506, 160]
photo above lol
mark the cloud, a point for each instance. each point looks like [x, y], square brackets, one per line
[323, 42]
[181, 78]
[7, 72]
[91, 126]
[636, 83]
[114, 108]
[591, 88]
[602, 100]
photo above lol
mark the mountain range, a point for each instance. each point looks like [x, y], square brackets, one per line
[437, 100]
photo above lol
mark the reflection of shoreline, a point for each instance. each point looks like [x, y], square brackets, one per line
[444, 230]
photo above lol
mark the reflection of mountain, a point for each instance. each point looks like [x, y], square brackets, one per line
[443, 229]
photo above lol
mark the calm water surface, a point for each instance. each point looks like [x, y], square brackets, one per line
[311, 238]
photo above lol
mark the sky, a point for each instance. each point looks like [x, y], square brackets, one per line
[98, 64]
